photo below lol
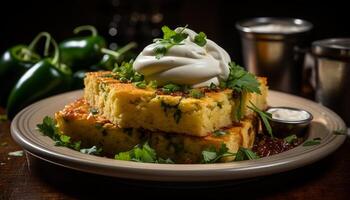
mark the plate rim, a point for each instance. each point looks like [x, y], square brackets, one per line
[168, 172]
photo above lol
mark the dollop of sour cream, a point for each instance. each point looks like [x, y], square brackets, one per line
[188, 63]
[288, 114]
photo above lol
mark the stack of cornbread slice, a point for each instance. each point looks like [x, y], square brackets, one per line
[117, 116]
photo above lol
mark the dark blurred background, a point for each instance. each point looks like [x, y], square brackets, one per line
[121, 21]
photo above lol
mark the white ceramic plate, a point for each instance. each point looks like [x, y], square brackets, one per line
[23, 129]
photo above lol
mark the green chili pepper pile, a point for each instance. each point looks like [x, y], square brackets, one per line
[27, 75]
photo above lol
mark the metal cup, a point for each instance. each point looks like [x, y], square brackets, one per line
[271, 48]
[332, 60]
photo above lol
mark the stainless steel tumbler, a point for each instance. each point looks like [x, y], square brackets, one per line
[272, 48]
[332, 60]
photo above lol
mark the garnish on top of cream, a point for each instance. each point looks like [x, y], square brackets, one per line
[183, 57]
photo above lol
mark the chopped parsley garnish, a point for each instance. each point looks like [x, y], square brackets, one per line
[315, 141]
[170, 88]
[241, 80]
[196, 93]
[141, 84]
[264, 116]
[245, 154]
[125, 72]
[290, 139]
[219, 133]
[142, 153]
[49, 128]
[200, 39]
[213, 155]
[177, 112]
[212, 86]
[170, 38]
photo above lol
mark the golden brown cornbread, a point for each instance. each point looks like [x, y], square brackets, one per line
[79, 123]
[131, 107]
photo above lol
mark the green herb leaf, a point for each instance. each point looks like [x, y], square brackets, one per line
[142, 153]
[200, 39]
[315, 141]
[240, 80]
[264, 116]
[290, 139]
[212, 86]
[213, 155]
[49, 128]
[196, 93]
[245, 154]
[219, 133]
[152, 84]
[177, 112]
[170, 88]
[141, 84]
[125, 72]
[170, 38]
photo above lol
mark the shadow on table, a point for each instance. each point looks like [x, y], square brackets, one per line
[83, 185]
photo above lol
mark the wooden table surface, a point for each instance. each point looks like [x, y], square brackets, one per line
[30, 178]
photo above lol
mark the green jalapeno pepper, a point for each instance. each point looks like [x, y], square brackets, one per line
[45, 78]
[15, 61]
[84, 51]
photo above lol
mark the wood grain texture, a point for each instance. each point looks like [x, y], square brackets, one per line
[27, 177]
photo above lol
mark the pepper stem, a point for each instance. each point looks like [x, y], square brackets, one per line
[116, 54]
[35, 41]
[90, 28]
[56, 55]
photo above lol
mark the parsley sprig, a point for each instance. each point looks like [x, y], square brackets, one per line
[245, 154]
[213, 155]
[125, 72]
[48, 128]
[170, 38]
[142, 153]
[240, 80]
[200, 39]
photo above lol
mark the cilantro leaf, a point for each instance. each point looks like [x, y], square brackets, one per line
[142, 153]
[264, 116]
[200, 39]
[213, 155]
[196, 93]
[219, 133]
[240, 80]
[315, 141]
[48, 128]
[170, 88]
[125, 72]
[170, 38]
[290, 139]
[245, 154]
